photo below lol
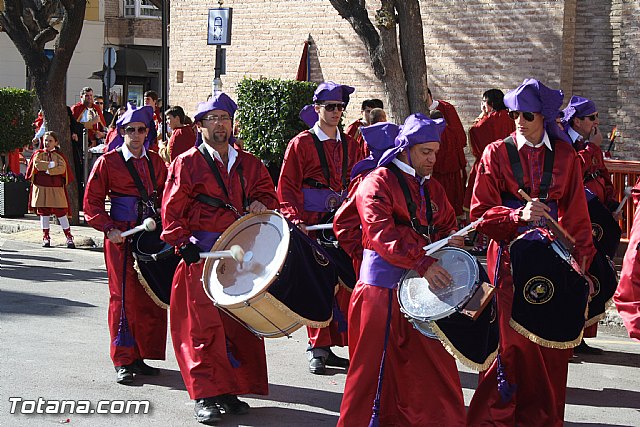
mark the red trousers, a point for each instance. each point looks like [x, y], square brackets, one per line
[540, 374]
[147, 321]
[330, 335]
[215, 353]
[421, 386]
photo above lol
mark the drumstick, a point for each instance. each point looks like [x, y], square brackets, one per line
[235, 252]
[432, 247]
[320, 227]
[147, 225]
[627, 193]
[555, 225]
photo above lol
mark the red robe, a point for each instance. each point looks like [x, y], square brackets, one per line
[201, 333]
[421, 386]
[353, 130]
[147, 321]
[539, 372]
[627, 297]
[492, 127]
[450, 165]
[346, 225]
[181, 140]
[78, 109]
[301, 162]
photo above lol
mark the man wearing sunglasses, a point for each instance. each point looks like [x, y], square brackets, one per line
[313, 184]
[208, 188]
[133, 178]
[526, 385]
[581, 118]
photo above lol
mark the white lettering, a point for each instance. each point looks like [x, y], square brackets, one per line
[14, 401]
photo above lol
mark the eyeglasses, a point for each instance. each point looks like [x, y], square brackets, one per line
[331, 107]
[592, 117]
[514, 114]
[217, 118]
[131, 130]
[99, 103]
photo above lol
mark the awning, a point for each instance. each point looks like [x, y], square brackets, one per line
[129, 63]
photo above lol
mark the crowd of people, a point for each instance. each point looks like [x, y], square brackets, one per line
[388, 191]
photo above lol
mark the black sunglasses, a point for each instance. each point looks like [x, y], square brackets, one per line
[592, 117]
[514, 114]
[131, 130]
[332, 107]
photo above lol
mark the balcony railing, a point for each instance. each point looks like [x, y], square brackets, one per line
[624, 173]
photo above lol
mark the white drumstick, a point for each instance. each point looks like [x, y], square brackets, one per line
[431, 248]
[320, 227]
[147, 225]
[627, 193]
[235, 252]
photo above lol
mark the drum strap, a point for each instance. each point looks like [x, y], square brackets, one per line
[136, 177]
[213, 201]
[411, 206]
[325, 165]
[516, 167]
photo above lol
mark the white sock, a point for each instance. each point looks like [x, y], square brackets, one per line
[44, 222]
[64, 222]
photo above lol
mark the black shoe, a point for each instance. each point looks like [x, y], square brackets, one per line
[583, 348]
[230, 404]
[338, 362]
[141, 368]
[206, 411]
[317, 366]
[124, 375]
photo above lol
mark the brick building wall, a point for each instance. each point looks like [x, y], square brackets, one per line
[584, 47]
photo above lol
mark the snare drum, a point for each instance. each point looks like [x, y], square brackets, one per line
[155, 262]
[285, 281]
[550, 292]
[437, 313]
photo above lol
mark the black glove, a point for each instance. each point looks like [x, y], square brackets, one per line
[190, 253]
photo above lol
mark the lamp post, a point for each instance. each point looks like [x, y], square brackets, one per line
[218, 34]
[164, 57]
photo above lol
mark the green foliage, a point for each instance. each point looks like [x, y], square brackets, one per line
[268, 114]
[16, 117]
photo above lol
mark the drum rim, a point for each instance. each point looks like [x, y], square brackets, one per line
[210, 263]
[453, 309]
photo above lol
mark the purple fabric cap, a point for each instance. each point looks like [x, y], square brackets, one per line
[579, 107]
[330, 91]
[417, 129]
[143, 114]
[219, 102]
[308, 115]
[533, 96]
[379, 137]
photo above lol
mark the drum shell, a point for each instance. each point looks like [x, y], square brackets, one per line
[550, 295]
[605, 229]
[605, 282]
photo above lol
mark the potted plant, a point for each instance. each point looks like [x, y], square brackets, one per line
[14, 195]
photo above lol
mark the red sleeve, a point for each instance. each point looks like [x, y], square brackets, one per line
[180, 141]
[290, 182]
[77, 110]
[259, 183]
[346, 223]
[94, 196]
[175, 203]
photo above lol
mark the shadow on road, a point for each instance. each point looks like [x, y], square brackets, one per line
[37, 305]
[606, 398]
[12, 267]
[618, 358]
[303, 396]
[279, 417]
[168, 378]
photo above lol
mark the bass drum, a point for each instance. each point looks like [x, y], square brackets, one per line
[284, 283]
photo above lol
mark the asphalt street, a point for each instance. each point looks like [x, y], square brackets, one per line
[54, 345]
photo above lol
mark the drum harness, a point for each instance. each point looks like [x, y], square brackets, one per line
[148, 200]
[214, 201]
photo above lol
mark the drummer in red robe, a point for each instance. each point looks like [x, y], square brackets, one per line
[627, 297]
[137, 325]
[581, 116]
[526, 385]
[493, 123]
[420, 385]
[310, 191]
[209, 187]
[450, 168]
[354, 130]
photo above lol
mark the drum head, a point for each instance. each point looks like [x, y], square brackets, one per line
[266, 236]
[418, 300]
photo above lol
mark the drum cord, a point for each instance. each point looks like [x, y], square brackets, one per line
[375, 421]
[248, 304]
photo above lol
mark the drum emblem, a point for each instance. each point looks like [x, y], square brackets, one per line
[320, 258]
[434, 207]
[538, 290]
[596, 285]
[596, 230]
[332, 202]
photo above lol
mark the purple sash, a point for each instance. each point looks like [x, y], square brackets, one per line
[322, 199]
[204, 239]
[124, 208]
[376, 271]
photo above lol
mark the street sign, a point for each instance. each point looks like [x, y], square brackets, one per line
[109, 78]
[110, 57]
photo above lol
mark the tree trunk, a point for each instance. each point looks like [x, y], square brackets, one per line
[412, 51]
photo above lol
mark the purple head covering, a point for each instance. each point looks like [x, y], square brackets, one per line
[220, 101]
[533, 96]
[417, 129]
[326, 91]
[379, 137]
[579, 107]
[133, 114]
